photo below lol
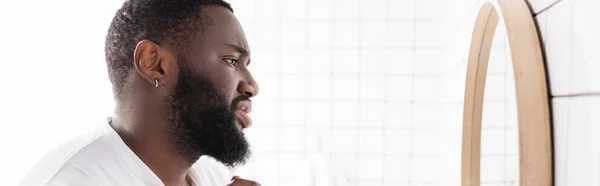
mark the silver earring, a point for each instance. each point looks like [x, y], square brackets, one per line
[156, 83]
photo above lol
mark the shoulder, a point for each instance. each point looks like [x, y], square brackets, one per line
[72, 175]
[69, 163]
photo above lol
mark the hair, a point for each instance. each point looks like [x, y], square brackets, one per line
[165, 22]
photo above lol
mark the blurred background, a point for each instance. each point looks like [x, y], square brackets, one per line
[352, 92]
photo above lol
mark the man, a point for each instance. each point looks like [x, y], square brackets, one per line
[182, 88]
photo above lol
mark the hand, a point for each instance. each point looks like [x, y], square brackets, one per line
[237, 181]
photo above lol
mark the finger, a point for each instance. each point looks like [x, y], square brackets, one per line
[243, 182]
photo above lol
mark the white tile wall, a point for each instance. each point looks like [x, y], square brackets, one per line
[399, 114]
[494, 114]
[320, 86]
[266, 138]
[492, 169]
[423, 115]
[345, 61]
[396, 169]
[497, 60]
[356, 81]
[423, 168]
[594, 108]
[373, 61]
[370, 167]
[372, 33]
[566, 29]
[372, 114]
[364, 77]
[428, 34]
[319, 61]
[292, 112]
[424, 142]
[539, 5]
[291, 37]
[586, 38]
[574, 141]
[292, 139]
[396, 141]
[426, 88]
[397, 88]
[427, 62]
[370, 141]
[429, 9]
[401, 10]
[372, 87]
[261, 113]
[400, 61]
[557, 39]
[320, 9]
[319, 113]
[345, 114]
[567, 33]
[345, 9]
[400, 33]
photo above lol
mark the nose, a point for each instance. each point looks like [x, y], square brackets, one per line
[248, 86]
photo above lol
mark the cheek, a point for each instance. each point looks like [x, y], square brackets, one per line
[229, 89]
[224, 77]
[227, 84]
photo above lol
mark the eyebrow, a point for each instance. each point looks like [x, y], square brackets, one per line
[241, 50]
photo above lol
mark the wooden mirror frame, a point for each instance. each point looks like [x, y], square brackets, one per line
[535, 144]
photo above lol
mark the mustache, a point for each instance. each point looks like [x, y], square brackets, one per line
[239, 99]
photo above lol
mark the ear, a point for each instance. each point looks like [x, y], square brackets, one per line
[153, 63]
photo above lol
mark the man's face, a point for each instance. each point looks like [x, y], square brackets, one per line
[208, 107]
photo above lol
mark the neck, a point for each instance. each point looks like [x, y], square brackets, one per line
[148, 140]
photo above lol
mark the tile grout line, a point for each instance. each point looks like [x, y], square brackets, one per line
[359, 101]
[280, 104]
[386, 96]
[576, 95]
[332, 94]
[547, 8]
[570, 87]
[304, 104]
[412, 123]
[505, 111]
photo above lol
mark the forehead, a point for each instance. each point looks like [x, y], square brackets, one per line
[222, 28]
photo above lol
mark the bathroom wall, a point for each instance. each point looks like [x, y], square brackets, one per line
[354, 82]
[569, 30]
[372, 87]
[346, 84]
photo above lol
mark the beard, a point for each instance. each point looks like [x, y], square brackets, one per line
[202, 121]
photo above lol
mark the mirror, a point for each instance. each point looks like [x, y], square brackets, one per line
[506, 139]
[499, 134]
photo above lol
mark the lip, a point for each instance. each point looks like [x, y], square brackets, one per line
[241, 113]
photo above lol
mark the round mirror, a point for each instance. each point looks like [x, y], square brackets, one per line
[506, 117]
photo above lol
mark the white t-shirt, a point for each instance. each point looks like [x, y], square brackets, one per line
[101, 158]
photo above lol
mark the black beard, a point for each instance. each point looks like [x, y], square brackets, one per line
[202, 122]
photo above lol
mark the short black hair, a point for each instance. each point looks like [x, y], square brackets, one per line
[165, 22]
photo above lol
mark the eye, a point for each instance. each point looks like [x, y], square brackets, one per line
[231, 61]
